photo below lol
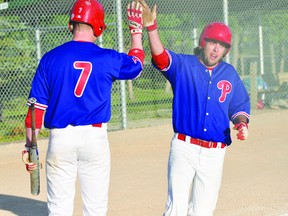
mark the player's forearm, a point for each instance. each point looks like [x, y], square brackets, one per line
[136, 41]
[28, 124]
[137, 48]
[29, 135]
[155, 43]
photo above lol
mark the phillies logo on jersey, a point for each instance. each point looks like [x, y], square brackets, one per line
[225, 87]
[135, 59]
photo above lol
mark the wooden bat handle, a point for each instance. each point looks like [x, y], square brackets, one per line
[33, 153]
[32, 101]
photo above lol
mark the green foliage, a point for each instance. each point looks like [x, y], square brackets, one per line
[21, 3]
[276, 23]
[17, 57]
[18, 54]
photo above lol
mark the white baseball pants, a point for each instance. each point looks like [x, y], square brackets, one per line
[194, 179]
[81, 151]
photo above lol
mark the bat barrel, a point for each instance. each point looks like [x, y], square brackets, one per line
[35, 175]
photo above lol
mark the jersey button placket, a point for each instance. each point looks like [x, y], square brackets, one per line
[208, 105]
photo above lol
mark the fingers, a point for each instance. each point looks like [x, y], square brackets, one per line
[238, 127]
[24, 152]
[139, 10]
[146, 6]
[154, 9]
[235, 127]
[243, 133]
[135, 20]
[134, 9]
[242, 136]
[129, 10]
[143, 3]
[242, 128]
[30, 167]
[25, 158]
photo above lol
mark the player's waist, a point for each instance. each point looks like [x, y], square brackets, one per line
[96, 125]
[199, 142]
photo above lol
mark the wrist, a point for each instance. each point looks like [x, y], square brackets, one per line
[152, 27]
[27, 147]
[135, 31]
[243, 124]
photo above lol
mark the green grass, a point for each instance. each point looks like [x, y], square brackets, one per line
[147, 103]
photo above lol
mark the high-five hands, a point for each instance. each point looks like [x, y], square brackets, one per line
[135, 21]
[149, 16]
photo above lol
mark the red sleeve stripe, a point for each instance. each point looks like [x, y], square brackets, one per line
[38, 106]
[241, 113]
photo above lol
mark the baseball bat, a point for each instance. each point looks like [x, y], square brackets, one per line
[33, 154]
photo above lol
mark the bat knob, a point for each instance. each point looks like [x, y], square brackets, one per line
[32, 100]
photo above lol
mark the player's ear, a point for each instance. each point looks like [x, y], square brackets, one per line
[71, 26]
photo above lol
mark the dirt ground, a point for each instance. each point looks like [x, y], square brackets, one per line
[255, 178]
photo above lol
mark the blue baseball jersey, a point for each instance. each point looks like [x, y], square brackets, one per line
[73, 83]
[204, 105]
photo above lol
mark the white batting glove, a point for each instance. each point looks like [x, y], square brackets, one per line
[135, 21]
[242, 129]
[25, 158]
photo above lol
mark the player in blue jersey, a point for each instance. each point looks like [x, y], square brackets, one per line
[73, 85]
[208, 95]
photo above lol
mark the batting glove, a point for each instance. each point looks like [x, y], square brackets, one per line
[135, 21]
[242, 129]
[25, 158]
[149, 17]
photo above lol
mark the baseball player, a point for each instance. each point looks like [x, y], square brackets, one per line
[73, 85]
[208, 94]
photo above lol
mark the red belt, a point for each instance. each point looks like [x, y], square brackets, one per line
[200, 142]
[97, 125]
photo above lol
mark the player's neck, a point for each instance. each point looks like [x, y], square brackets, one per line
[84, 36]
[84, 39]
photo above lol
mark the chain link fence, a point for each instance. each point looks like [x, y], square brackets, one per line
[30, 28]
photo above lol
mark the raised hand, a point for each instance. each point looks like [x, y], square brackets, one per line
[149, 16]
[135, 21]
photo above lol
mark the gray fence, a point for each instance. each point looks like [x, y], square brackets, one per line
[29, 28]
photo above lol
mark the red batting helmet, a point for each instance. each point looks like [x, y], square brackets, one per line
[216, 31]
[90, 12]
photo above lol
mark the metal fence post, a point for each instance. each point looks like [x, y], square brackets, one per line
[253, 84]
[38, 44]
[225, 12]
[121, 49]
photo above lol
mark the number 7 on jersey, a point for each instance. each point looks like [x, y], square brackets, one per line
[86, 68]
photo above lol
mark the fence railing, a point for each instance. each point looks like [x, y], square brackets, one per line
[30, 28]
